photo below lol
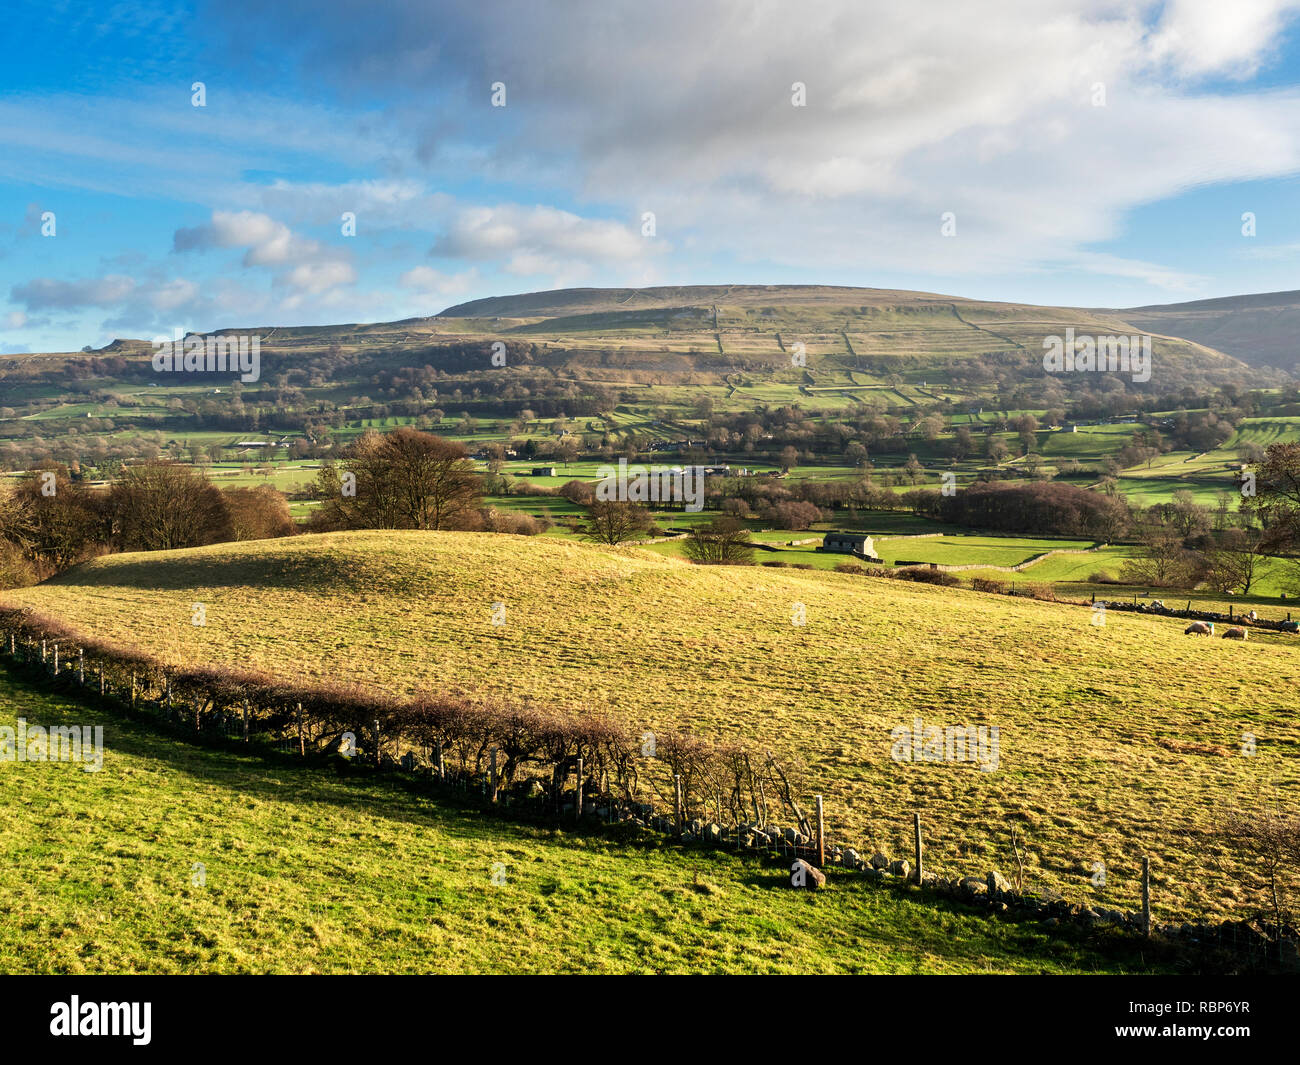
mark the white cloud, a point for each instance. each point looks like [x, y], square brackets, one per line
[44, 293]
[1202, 37]
[269, 243]
[317, 277]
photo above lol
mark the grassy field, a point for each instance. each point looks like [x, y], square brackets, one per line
[1116, 741]
[304, 872]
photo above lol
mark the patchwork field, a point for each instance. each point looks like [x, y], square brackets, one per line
[1115, 742]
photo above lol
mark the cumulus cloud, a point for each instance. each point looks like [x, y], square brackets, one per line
[269, 243]
[317, 277]
[911, 110]
[534, 241]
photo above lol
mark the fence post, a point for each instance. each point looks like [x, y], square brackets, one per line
[56, 655]
[101, 679]
[42, 650]
[442, 768]
[81, 666]
[821, 835]
[494, 774]
[577, 809]
[1146, 896]
[302, 745]
[916, 828]
[677, 786]
[132, 689]
[245, 720]
[378, 756]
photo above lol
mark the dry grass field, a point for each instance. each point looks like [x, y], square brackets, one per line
[1115, 741]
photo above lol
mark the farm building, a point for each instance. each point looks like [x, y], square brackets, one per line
[543, 471]
[850, 544]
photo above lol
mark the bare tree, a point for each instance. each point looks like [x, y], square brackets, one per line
[159, 506]
[721, 541]
[405, 480]
[613, 521]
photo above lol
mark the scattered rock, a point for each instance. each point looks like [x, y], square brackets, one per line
[997, 882]
[900, 867]
[974, 887]
[803, 875]
[879, 861]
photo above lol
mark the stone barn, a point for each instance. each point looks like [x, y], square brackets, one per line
[856, 544]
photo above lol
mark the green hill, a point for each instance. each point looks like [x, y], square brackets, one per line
[1259, 329]
[180, 859]
[1117, 741]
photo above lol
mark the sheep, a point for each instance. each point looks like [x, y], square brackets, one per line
[1199, 628]
[1234, 633]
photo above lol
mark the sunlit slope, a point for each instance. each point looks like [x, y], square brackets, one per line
[1096, 722]
[304, 872]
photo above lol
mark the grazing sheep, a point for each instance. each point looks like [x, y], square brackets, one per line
[1199, 628]
[1234, 633]
[1291, 626]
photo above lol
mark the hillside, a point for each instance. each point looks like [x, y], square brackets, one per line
[1116, 741]
[305, 873]
[1259, 329]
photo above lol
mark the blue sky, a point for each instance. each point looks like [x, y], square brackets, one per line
[1092, 153]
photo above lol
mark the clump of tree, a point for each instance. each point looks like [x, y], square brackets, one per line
[403, 480]
[1278, 502]
[492, 519]
[1163, 562]
[1235, 561]
[53, 522]
[161, 506]
[723, 541]
[1049, 507]
[613, 521]
[258, 513]
[48, 522]
[794, 515]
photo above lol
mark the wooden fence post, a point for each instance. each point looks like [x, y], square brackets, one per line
[442, 767]
[677, 787]
[916, 827]
[494, 774]
[1146, 896]
[302, 744]
[56, 659]
[133, 689]
[821, 835]
[577, 810]
[378, 756]
[245, 720]
[42, 651]
[81, 666]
